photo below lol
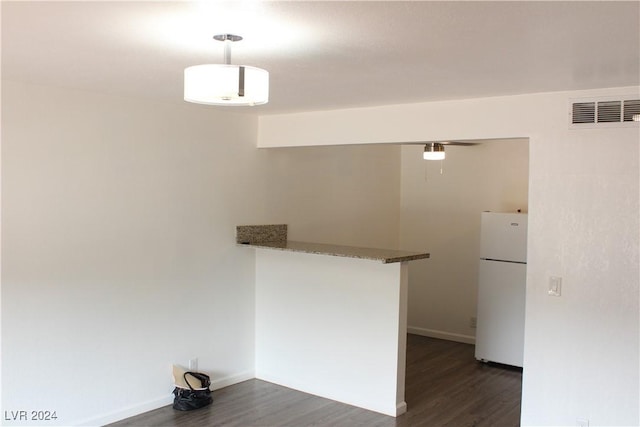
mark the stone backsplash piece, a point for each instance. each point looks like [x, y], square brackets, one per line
[247, 234]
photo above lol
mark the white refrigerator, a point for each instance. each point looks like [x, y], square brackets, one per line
[501, 288]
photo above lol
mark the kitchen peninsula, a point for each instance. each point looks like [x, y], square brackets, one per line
[331, 320]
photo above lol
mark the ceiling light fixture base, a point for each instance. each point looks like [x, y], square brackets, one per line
[433, 151]
[226, 84]
[225, 37]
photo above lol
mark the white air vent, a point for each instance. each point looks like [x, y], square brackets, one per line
[583, 112]
[604, 111]
[630, 108]
[609, 111]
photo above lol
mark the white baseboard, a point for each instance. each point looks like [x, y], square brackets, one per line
[357, 401]
[450, 336]
[232, 379]
[129, 411]
[141, 408]
[401, 408]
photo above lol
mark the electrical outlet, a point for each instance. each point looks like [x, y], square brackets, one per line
[193, 364]
[473, 322]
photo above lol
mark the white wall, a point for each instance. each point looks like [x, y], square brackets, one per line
[118, 250]
[341, 195]
[582, 349]
[333, 326]
[118, 246]
[441, 212]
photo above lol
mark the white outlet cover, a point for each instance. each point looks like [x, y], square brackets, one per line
[193, 364]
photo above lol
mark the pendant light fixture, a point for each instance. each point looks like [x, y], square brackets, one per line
[433, 151]
[226, 84]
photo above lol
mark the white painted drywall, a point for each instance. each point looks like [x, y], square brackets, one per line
[347, 195]
[582, 349]
[119, 253]
[440, 210]
[116, 211]
[118, 250]
[332, 326]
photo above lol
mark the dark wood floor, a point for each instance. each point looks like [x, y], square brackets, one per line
[445, 386]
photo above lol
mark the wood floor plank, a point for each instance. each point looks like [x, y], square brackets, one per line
[445, 386]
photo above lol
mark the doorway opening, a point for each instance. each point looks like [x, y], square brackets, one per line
[441, 203]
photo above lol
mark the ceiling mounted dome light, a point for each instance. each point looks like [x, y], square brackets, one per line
[433, 151]
[226, 84]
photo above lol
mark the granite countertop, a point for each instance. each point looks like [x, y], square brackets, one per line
[274, 236]
[386, 256]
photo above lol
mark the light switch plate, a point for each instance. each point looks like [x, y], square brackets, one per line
[555, 286]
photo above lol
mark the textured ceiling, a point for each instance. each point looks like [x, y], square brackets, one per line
[324, 55]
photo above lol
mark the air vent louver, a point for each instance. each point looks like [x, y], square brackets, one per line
[584, 112]
[609, 111]
[604, 110]
[631, 107]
